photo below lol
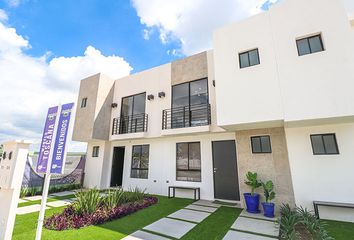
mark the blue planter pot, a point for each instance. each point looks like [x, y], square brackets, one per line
[268, 209]
[252, 202]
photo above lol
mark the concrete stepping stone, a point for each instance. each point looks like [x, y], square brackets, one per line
[207, 203]
[170, 227]
[233, 235]
[61, 194]
[59, 203]
[22, 200]
[33, 198]
[141, 235]
[189, 215]
[29, 209]
[201, 208]
[244, 213]
[256, 226]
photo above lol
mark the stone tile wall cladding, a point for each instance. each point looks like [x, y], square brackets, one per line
[189, 69]
[270, 166]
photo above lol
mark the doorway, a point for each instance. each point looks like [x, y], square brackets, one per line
[226, 185]
[117, 166]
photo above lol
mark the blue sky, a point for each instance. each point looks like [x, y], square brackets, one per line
[66, 29]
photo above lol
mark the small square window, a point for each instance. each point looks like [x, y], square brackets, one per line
[261, 144]
[95, 151]
[83, 102]
[324, 144]
[309, 45]
[249, 58]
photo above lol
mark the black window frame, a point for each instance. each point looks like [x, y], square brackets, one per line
[84, 102]
[261, 145]
[132, 158]
[309, 45]
[248, 57]
[133, 103]
[189, 170]
[95, 151]
[324, 145]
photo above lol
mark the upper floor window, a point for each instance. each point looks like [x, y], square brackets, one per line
[188, 162]
[323, 144]
[133, 105]
[140, 162]
[309, 45]
[261, 144]
[249, 58]
[95, 151]
[83, 102]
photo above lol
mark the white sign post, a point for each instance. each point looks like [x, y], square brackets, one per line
[12, 168]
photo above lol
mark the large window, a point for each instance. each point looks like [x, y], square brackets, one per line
[309, 45]
[140, 161]
[249, 58]
[132, 117]
[190, 104]
[261, 144]
[324, 144]
[188, 162]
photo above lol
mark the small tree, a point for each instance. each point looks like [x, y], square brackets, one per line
[252, 181]
[269, 194]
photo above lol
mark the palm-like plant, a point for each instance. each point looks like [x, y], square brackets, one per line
[252, 181]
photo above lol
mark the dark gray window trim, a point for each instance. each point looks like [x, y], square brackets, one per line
[248, 56]
[95, 151]
[324, 146]
[141, 152]
[308, 42]
[191, 170]
[262, 151]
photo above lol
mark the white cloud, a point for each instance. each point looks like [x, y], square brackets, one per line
[3, 15]
[29, 85]
[192, 22]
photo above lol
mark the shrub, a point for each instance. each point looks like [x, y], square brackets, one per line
[23, 192]
[113, 198]
[269, 194]
[87, 201]
[299, 223]
[252, 181]
[134, 195]
[32, 191]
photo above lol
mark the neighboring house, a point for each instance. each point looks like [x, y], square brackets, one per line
[274, 96]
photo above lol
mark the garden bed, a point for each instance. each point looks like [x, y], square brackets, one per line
[70, 219]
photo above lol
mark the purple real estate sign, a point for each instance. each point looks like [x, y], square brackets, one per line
[58, 159]
[47, 139]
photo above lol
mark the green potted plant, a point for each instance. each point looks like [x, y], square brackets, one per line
[269, 194]
[252, 198]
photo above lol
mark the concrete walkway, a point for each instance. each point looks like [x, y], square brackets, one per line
[253, 227]
[177, 224]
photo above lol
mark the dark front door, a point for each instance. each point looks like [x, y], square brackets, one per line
[225, 170]
[117, 166]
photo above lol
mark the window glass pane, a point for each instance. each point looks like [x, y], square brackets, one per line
[199, 92]
[194, 156]
[265, 141]
[180, 95]
[303, 47]
[315, 44]
[244, 62]
[127, 106]
[256, 144]
[138, 173]
[182, 156]
[192, 176]
[317, 144]
[330, 144]
[139, 104]
[254, 58]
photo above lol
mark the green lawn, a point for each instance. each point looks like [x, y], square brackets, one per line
[25, 226]
[340, 230]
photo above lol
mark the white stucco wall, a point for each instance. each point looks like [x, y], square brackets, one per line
[162, 164]
[323, 177]
[94, 165]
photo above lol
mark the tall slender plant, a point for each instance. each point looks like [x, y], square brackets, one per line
[252, 181]
[269, 194]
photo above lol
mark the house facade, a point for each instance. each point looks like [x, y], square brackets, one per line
[274, 96]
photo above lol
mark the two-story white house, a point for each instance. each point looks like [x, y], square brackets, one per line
[275, 96]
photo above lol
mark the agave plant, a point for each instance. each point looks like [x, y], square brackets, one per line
[252, 181]
[87, 201]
